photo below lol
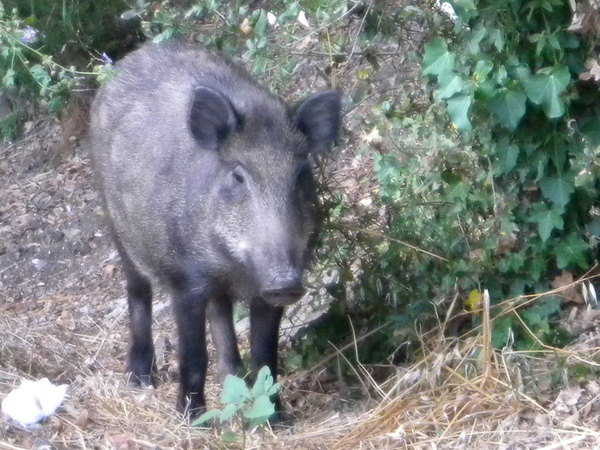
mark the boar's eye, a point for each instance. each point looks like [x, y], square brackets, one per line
[234, 187]
[238, 177]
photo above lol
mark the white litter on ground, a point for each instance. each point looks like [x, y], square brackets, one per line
[33, 401]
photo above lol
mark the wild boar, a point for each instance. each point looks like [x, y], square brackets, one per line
[207, 183]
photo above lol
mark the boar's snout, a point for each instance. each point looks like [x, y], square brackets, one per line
[284, 290]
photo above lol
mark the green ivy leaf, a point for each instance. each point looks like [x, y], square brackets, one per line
[507, 156]
[557, 189]
[465, 9]
[273, 389]
[263, 382]
[9, 78]
[289, 14]
[458, 109]
[228, 412]
[591, 129]
[206, 417]
[482, 69]
[452, 83]
[234, 390]
[40, 75]
[547, 219]
[545, 88]
[572, 250]
[501, 330]
[437, 59]
[477, 35]
[497, 38]
[508, 106]
[262, 408]
[459, 192]
[536, 317]
[260, 27]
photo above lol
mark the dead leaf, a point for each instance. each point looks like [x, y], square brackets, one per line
[568, 289]
[56, 425]
[245, 28]
[109, 270]
[83, 420]
[567, 399]
[123, 442]
[302, 19]
[372, 137]
[593, 72]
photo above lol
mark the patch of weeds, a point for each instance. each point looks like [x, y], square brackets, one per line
[242, 406]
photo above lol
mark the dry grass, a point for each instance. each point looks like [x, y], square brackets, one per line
[461, 393]
[465, 394]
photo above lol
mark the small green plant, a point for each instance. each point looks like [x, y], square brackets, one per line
[248, 407]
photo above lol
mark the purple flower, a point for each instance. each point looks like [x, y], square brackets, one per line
[107, 59]
[30, 35]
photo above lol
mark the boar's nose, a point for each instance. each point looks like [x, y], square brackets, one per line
[284, 293]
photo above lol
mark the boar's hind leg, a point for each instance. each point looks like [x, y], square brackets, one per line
[190, 313]
[220, 315]
[264, 337]
[140, 364]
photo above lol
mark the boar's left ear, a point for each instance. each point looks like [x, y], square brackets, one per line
[212, 118]
[318, 117]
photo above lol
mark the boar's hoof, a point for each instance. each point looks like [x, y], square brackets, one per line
[138, 381]
[140, 375]
[191, 408]
[281, 417]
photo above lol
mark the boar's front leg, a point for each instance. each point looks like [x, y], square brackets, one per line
[220, 316]
[264, 338]
[140, 362]
[190, 313]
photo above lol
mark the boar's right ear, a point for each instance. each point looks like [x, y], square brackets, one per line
[212, 118]
[318, 117]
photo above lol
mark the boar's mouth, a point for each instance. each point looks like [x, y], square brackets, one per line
[283, 296]
[284, 289]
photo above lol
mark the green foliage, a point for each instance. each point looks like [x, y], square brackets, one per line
[29, 72]
[498, 178]
[74, 30]
[508, 77]
[252, 407]
[25, 71]
[259, 36]
[534, 325]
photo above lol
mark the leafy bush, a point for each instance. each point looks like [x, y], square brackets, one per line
[508, 192]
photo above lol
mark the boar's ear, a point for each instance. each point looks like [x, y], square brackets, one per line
[318, 117]
[212, 118]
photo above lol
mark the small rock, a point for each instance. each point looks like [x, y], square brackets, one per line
[39, 264]
[43, 200]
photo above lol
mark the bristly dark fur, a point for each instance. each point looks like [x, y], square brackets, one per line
[209, 191]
